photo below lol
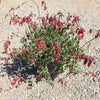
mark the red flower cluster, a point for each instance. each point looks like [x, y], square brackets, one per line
[41, 76]
[25, 51]
[44, 23]
[71, 70]
[81, 31]
[57, 50]
[56, 24]
[13, 52]
[40, 45]
[16, 79]
[6, 44]
[6, 61]
[16, 19]
[60, 15]
[44, 4]
[53, 21]
[72, 20]
[86, 59]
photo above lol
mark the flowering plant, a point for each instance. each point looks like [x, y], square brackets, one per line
[51, 46]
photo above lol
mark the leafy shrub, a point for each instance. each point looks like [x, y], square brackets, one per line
[51, 46]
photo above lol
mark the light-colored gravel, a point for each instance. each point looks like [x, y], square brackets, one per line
[78, 87]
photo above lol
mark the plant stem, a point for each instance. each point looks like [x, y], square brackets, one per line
[87, 42]
[38, 9]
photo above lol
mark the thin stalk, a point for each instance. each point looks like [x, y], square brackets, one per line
[87, 42]
[38, 9]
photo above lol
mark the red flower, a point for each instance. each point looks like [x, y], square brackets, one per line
[43, 74]
[82, 36]
[6, 61]
[76, 19]
[57, 58]
[85, 61]
[89, 64]
[60, 26]
[50, 19]
[32, 60]
[57, 50]
[90, 61]
[81, 31]
[14, 81]
[90, 31]
[6, 44]
[73, 48]
[25, 52]
[60, 14]
[40, 77]
[60, 80]
[43, 3]
[40, 45]
[71, 70]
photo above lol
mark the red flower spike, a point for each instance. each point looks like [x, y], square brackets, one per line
[13, 83]
[60, 30]
[60, 14]
[6, 15]
[40, 77]
[85, 61]
[81, 31]
[92, 74]
[57, 58]
[19, 80]
[73, 48]
[90, 61]
[12, 54]
[60, 80]
[82, 36]
[69, 18]
[6, 61]
[89, 64]
[71, 70]
[76, 19]
[90, 31]
[95, 76]
[45, 7]
[43, 3]
[6, 44]
[47, 16]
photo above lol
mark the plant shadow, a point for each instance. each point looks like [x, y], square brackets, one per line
[14, 69]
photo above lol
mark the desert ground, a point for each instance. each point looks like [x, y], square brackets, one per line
[77, 87]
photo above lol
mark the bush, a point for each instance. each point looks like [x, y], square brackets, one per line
[50, 46]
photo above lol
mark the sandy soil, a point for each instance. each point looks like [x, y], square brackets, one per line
[78, 87]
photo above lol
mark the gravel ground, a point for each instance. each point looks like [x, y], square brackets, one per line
[78, 87]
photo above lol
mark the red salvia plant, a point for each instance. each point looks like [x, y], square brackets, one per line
[52, 44]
